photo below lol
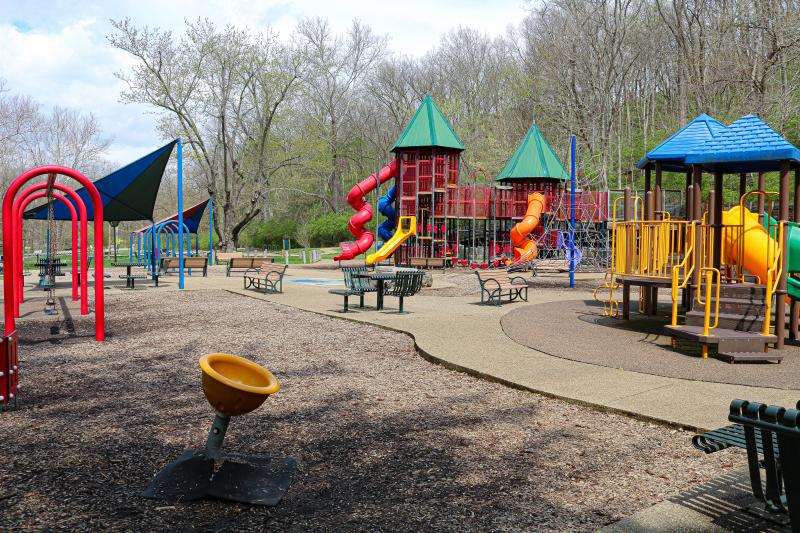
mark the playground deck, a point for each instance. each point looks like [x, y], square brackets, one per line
[373, 425]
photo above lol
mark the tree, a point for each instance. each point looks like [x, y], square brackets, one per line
[337, 66]
[223, 91]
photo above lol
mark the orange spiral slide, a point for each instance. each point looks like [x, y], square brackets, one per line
[525, 247]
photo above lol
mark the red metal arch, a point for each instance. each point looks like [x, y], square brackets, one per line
[9, 244]
[19, 282]
[73, 216]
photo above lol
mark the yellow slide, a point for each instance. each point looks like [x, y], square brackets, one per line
[406, 227]
[759, 247]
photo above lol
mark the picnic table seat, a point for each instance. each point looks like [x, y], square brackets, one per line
[354, 285]
[406, 283]
[498, 284]
[771, 436]
[268, 277]
[238, 264]
[131, 279]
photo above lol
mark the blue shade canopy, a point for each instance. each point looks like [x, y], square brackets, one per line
[671, 152]
[191, 218]
[128, 193]
[747, 145]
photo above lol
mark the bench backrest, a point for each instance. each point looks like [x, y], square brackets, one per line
[249, 262]
[406, 283]
[353, 283]
[499, 275]
[267, 267]
[195, 262]
[226, 256]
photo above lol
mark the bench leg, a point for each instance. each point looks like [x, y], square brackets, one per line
[346, 297]
[361, 300]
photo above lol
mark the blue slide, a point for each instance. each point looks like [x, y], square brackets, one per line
[386, 208]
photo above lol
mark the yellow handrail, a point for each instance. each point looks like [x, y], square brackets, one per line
[611, 306]
[773, 276]
[708, 273]
[688, 259]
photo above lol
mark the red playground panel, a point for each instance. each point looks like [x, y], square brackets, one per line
[9, 369]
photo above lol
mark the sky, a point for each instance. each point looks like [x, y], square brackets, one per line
[56, 50]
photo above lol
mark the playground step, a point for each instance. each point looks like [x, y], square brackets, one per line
[742, 290]
[737, 321]
[727, 340]
[751, 306]
[750, 357]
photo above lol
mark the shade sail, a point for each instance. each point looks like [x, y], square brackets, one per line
[191, 218]
[128, 193]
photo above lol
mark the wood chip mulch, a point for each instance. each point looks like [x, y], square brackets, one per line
[386, 441]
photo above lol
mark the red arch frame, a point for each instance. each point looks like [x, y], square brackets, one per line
[19, 286]
[74, 218]
[8, 243]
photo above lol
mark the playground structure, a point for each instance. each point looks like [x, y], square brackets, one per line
[160, 239]
[126, 194]
[734, 267]
[461, 221]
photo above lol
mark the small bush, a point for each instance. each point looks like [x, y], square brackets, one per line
[329, 229]
[270, 233]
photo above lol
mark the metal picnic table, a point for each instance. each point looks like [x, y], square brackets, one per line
[381, 278]
[129, 280]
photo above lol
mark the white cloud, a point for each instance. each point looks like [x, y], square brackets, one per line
[57, 51]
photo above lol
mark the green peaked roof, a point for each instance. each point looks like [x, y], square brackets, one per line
[534, 158]
[428, 127]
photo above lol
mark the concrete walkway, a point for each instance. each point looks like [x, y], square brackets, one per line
[458, 333]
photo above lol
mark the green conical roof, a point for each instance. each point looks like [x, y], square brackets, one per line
[428, 127]
[534, 158]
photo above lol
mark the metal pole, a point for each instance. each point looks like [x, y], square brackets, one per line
[130, 247]
[211, 231]
[180, 214]
[573, 178]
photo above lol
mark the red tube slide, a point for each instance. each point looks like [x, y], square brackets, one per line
[364, 212]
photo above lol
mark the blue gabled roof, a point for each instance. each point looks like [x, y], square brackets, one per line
[747, 145]
[671, 152]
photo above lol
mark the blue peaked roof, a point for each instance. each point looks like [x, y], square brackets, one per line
[747, 145]
[671, 152]
[128, 193]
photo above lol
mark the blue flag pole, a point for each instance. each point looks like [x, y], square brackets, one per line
[180, 214]
[573, 172]
[211, 231]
